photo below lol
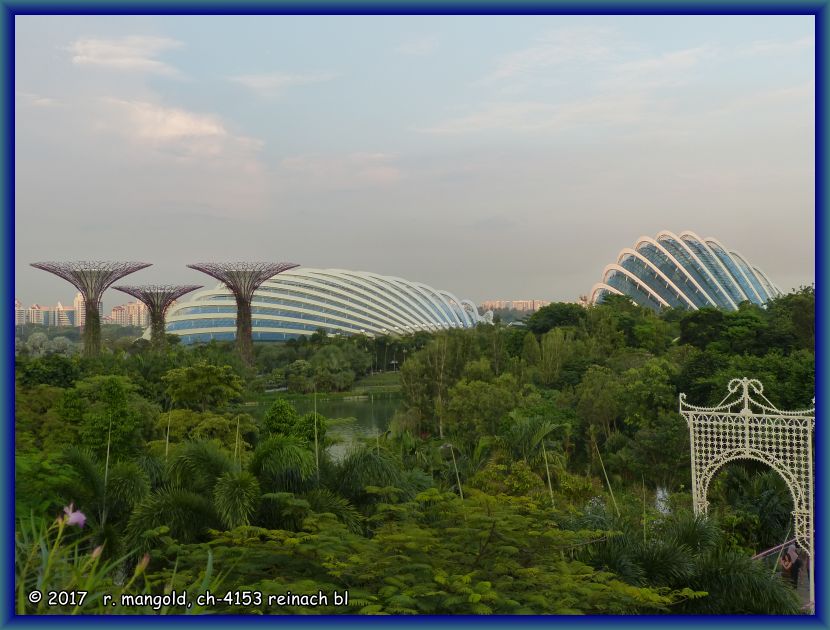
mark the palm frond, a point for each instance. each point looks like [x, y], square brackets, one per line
[90, 474]
[186, 514]
[197, 466]
[363, 467]
[738, 585]
[127, 485]
[282, 463]
[327, 502]
[236, 496]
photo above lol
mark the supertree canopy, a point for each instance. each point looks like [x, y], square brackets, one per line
[91, 278]
[243, 278]
[158, 298]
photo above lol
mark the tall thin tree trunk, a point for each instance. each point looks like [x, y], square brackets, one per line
[106, 475]
[457, 476]
[547, 470]
[316, 449]
[167, 438]
[605, 474]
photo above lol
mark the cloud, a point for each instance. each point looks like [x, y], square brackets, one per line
[777, 47]
[354, 170]
[419, 47]
[176, 131]
[536, 116]
[133, 53]
[275, 83]
[556, 48]
[777, 100]
[667, 69]
[36, 100]
[619, 93]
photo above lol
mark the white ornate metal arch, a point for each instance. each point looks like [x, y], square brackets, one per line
[746, 428]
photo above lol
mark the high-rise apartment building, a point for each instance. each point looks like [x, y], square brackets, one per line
[19, 313]
[130, 314]
[34, 314]
[80, 310]
[517, 305]
[62, 316]
[80, 313]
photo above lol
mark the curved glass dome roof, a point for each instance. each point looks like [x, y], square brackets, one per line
[684, 271]
[298, 302]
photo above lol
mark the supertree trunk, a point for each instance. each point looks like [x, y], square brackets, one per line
[244, 331]
[158, 298]
[157, 335]
[243, 278]
[92, 329]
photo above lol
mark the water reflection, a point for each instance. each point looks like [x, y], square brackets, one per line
[352, 419]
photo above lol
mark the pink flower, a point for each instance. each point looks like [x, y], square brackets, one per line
[73, 517]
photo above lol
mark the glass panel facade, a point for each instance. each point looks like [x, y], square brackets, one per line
[681, 280]
[633, 289]
[303, 301]
[652, 280]
[750, 274]
[694, 272]
[729, 285]
[700, 274]
[735, 272]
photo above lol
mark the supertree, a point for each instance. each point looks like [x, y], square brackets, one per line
[158, 298]
[243, 278]
[91, 278]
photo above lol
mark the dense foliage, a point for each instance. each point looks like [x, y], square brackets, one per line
[529, 469]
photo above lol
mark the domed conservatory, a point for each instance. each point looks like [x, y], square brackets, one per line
[301, 301]
[684, 271]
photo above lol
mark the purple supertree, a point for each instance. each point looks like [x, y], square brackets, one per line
[158, 298]
[91, 278]
[243, 278]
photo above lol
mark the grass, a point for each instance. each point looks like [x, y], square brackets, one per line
[380, 382]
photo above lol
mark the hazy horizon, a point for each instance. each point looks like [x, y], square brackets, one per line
[496, 157]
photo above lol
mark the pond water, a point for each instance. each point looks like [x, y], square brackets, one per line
[352, 419]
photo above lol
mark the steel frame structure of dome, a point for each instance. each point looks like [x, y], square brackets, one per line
[685, 271]
[300, 301]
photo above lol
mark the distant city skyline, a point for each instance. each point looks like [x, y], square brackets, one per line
[489, 155]
[54, 313]
[516, 305]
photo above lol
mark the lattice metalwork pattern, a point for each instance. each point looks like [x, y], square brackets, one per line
[243, 278]
[749, 426]
[158, 297]
[91, 277]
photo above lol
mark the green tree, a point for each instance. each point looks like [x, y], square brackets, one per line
[702, 327]
[202, 386]
[647, 391]
[555, 315]
[598, 399]
[281, 418]
[556, 349]
[531, 352]
[478, 408]
[110, 415]
[52, 369]
[299, 376]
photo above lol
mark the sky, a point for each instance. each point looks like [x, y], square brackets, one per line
[496, 157]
